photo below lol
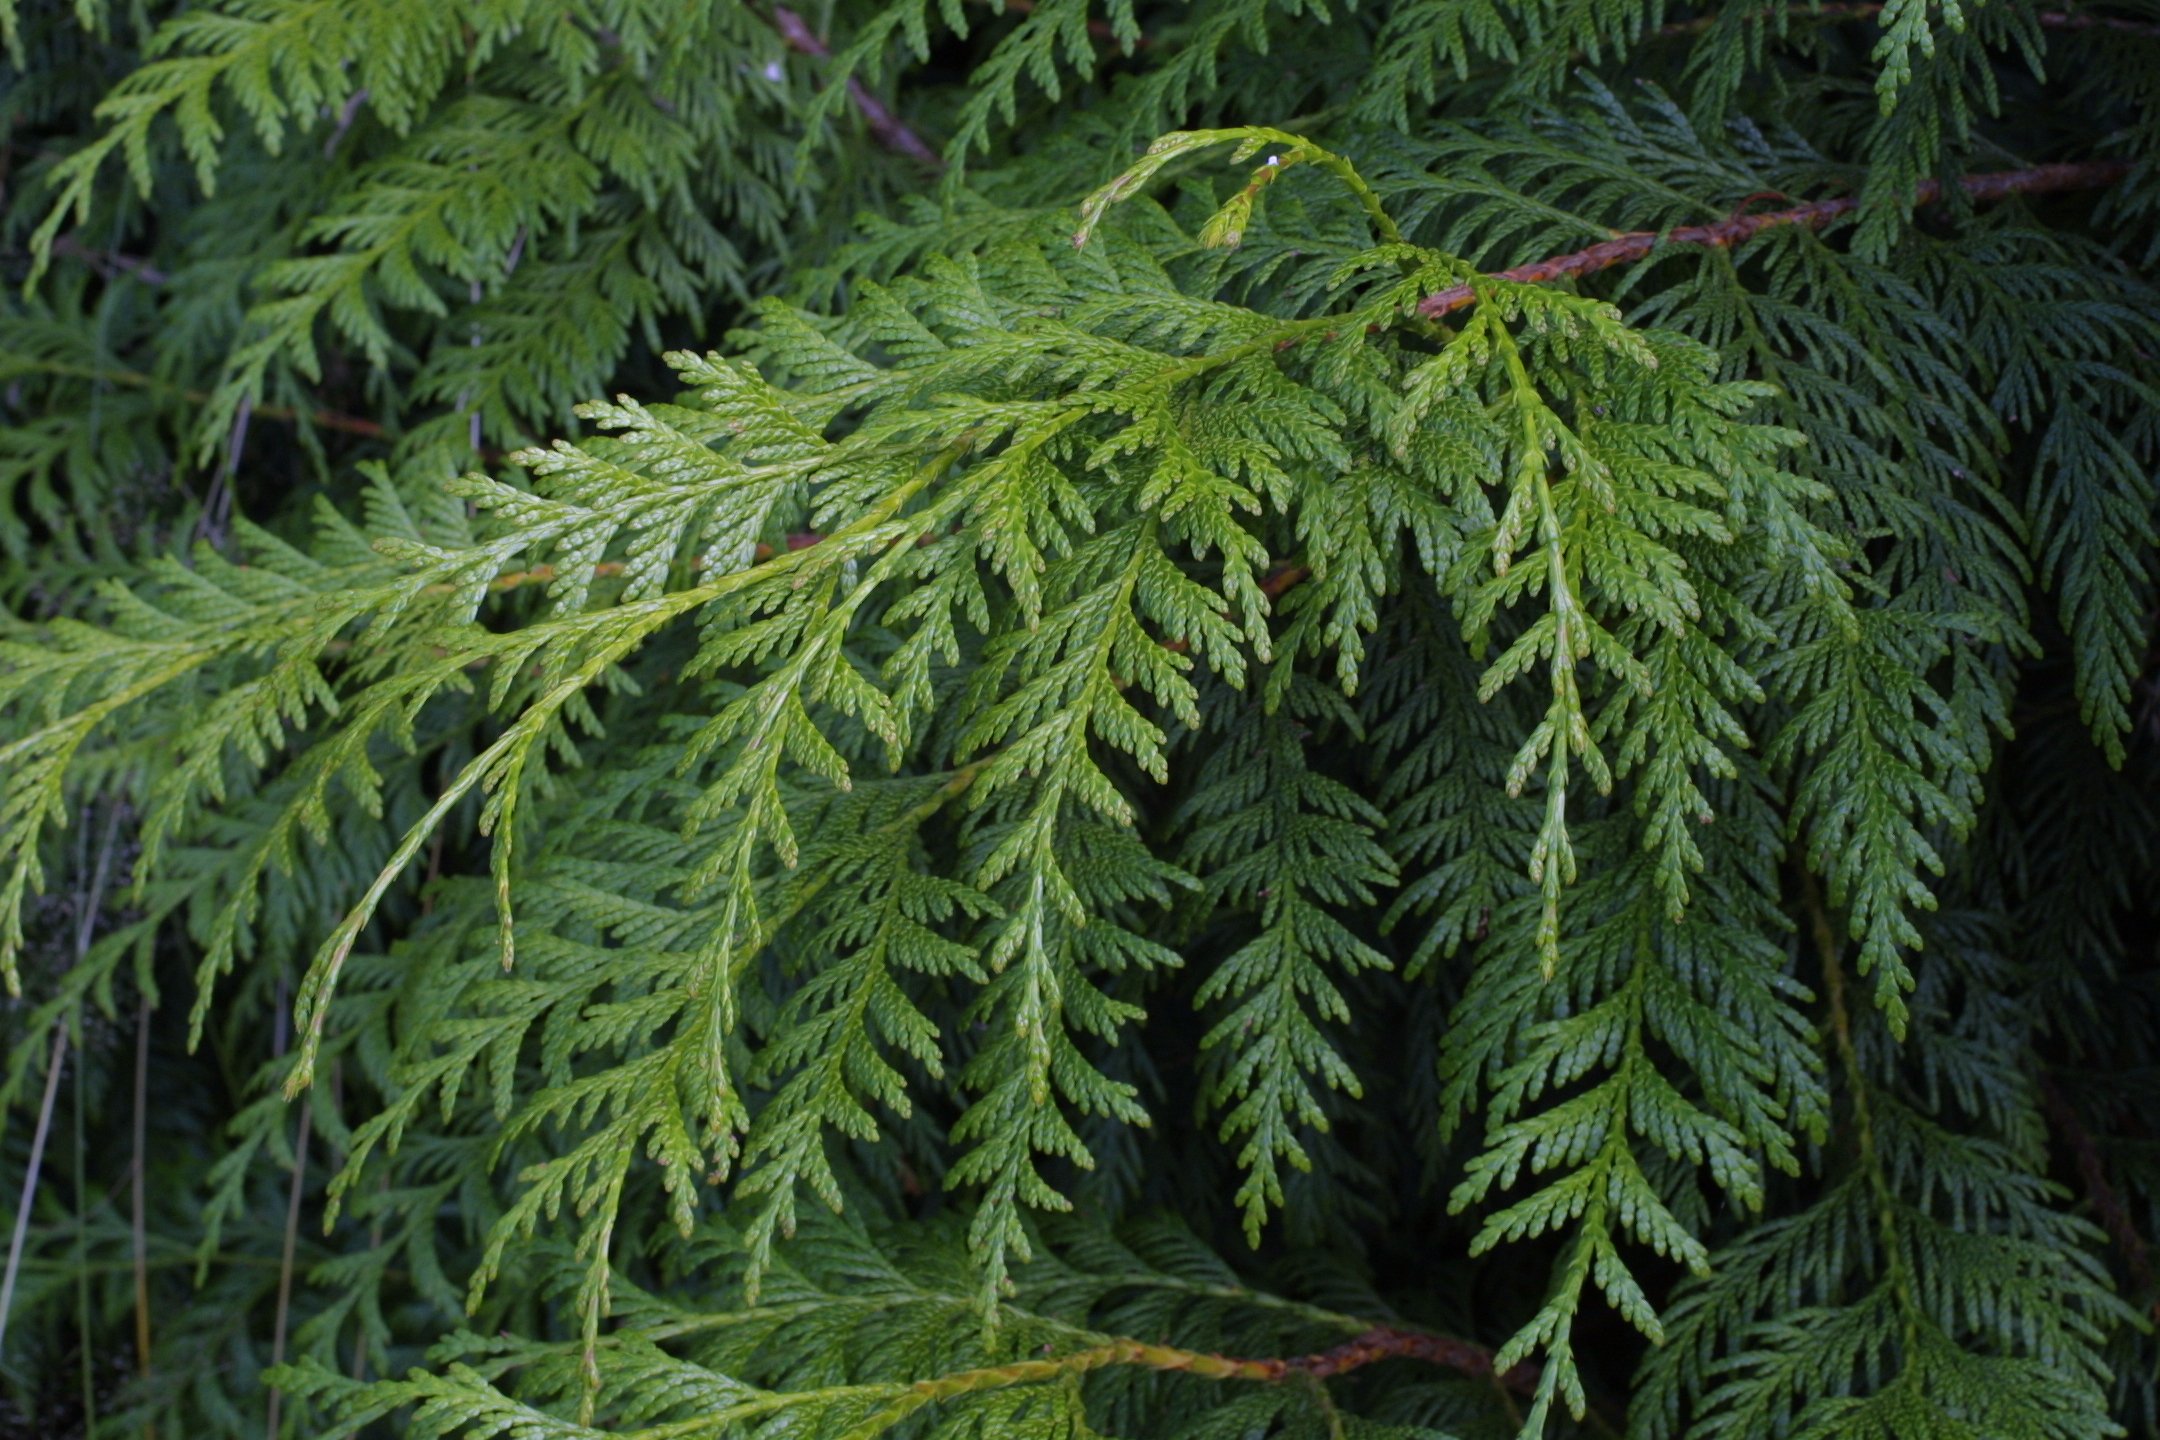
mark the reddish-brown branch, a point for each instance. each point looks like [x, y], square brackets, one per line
[1272, 585]
[1102, 30]
[1282, 578]
[1379, 1343]
[108, 263]
[1737, 229]
[326, 419]
[1105, 33]
[2108, 1205]
[1386, 1343]
[892, 132]
[2048, 19]
[2115, 24]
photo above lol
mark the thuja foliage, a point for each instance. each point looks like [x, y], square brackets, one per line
[1254, 718]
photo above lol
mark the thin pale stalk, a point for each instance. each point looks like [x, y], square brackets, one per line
[84, 1349]
[30, 1177]
[85, 924]
[293, 1197]
[138, 1223]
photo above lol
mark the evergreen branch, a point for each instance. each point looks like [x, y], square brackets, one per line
[892, 132]
[1738, 229]
[498, 767]
[934, 851]
[1933, 1288]
[1278, 839]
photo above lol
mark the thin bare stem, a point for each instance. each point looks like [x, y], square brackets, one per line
[375, 1227]
[280, 1040]
[138, 1223]
[86, 1352]
[30, 1175]
[347, 113]
[293, 1197]
[86, 924]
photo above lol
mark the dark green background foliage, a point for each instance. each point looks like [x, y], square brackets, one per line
[1117, 794]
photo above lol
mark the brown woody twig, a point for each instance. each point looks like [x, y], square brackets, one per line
[892, 132]
[324, 419]
[108, 263]
[1737, 229]
[1101, 30]
[2106, 1203]
[1383, 1342]
[2048, 19]
[1379, 1343]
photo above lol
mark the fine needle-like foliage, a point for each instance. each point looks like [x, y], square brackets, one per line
[1255, 718]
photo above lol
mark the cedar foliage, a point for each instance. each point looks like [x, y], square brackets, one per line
[1121, 791]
